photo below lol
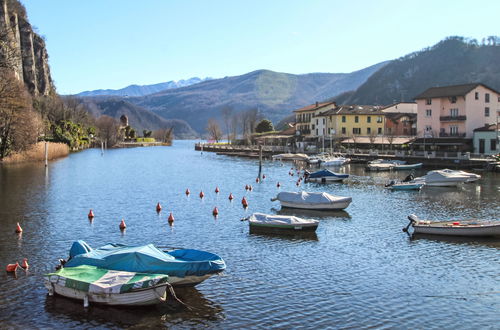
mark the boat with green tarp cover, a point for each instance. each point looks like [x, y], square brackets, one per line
[110, 287]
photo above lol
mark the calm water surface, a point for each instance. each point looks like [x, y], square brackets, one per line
[359, 270]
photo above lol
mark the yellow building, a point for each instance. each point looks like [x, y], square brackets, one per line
[354, 120]
[309, 122]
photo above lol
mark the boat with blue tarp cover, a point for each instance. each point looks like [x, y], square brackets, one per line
[185, 267]
[325, 176]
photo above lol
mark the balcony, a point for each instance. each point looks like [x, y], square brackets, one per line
[453, 118]
[444, 134]
[301, 121]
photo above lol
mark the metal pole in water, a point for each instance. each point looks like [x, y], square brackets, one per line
[102, 148]
[260, 161]
[46, 154]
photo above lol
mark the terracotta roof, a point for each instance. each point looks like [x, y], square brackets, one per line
[487, 128]
[447, 91]
[314, 106]
[354, 110]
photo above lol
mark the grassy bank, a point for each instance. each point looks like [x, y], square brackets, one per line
[37, 153]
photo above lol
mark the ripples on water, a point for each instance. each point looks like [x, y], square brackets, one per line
[357, 270]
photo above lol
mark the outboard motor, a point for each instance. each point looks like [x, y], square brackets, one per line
[409, 178]
[391, 183]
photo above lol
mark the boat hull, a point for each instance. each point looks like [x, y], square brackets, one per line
[416, 186]
[478, 231]
[275, 227]
[407, 167]
[326, 179]
[141, 297]
[321, 207]
[187, 280]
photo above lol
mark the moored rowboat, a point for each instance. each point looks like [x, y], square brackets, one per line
[109, 287]
[281, 223]
[454, 228]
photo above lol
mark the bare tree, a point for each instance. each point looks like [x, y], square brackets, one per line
[372, 137]
[20, 126]
[227, 112]
[164, 134]
[214, 130]
[233, 126]
[108, 130]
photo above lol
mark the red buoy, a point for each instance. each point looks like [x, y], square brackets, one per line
[298, 183]
[231, 196]
[202, 194]
[122, 225]
[263, 176]
[171, 218]
[91, 214]
[24, 264]
[217, 190]
[158, 207]
[246, 187]
[187, 192]
[215, 212]
[257, 180]
[11, 268]
[278, 184]
[250, 188]
[244, 202]
[18, 228]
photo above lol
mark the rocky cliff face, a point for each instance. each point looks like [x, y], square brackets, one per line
[22, 50]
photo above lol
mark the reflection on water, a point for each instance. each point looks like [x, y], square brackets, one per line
[286, 235]
[359, 270]
[200, 311]
[486, 241]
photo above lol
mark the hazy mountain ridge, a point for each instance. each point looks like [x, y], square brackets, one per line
[274, 94]
[141, 90]
[452, 61]
[138, 117]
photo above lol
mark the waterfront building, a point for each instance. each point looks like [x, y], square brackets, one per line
[401, 119]
[308, 124]
[486, 140]
[448, 115]
[354, 120]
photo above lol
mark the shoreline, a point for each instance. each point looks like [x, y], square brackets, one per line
[37, 153]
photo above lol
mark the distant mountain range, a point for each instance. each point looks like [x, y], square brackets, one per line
[454, 60]
[274, 94]
[140, 90]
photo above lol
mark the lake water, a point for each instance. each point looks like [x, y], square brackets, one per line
[359, 270]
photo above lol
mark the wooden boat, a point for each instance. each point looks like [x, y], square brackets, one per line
[312, 200]
[454, 228]
[109, 287]
[185, 267]
[323, 176]
[281, 223]
[404, 167]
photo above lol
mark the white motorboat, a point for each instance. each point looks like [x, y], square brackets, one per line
[454, 228]
[335, 161]
[280, 223]
[302, 157]
[439, 178]
[312, 200]
[472, 177]
[380, 167]
[109, 287]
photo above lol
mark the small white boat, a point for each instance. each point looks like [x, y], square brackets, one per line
[472, 177]
[380, 167]
[454, 228]
[302, 157]
[337, 160]
[404, 186]
[406, 167]
[387, 161]
[440, 178]
[279, 223]
[312, 200]
[109, 287]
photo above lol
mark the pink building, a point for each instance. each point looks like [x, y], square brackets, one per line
[455, 111]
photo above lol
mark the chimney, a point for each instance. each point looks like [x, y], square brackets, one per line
[317, 104]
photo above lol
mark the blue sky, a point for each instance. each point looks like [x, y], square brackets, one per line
[96, 44]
